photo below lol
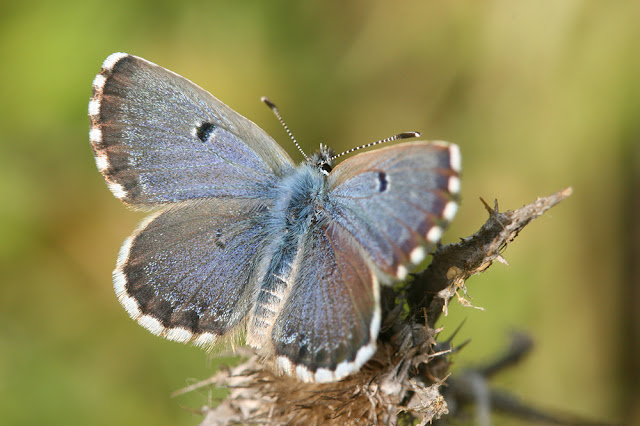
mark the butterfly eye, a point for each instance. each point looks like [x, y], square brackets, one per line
[203, 131]
[326, 168]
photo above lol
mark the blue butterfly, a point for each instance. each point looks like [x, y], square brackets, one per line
[242, 238]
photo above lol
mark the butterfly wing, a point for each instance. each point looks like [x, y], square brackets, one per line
[396, 201]
[328, 327]
[159, 138]
[185, 274]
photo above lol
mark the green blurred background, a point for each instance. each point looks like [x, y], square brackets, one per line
[540, 95]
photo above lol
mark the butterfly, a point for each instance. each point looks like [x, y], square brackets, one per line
[241, 238]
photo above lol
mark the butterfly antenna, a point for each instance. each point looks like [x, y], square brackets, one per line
[405, 135]
[274, 108]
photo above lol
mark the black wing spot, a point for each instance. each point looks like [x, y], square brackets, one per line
[384, 183]
[218, 241]
[203, 131]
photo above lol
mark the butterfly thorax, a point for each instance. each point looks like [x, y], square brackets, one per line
[296, 210]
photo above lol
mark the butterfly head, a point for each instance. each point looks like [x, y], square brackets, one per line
[323, 159]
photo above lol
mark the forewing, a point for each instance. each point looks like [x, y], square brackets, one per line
[328, 326]
[158, 138]
[185, 274]
[396, 201]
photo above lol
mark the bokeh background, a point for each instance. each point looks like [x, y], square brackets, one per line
[539, 95]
